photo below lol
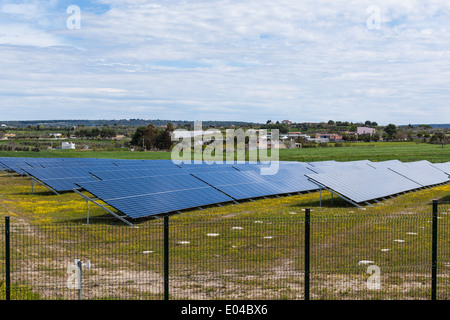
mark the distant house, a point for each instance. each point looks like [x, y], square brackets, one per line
[365, 130]
[327, 137]
[294, 136]
[68, 145]
[286, 122]
[10, 135]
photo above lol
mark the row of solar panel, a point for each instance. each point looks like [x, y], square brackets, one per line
[147, 187]
[359, 184]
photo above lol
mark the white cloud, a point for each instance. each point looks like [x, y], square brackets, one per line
[24, 35]
[252, 60]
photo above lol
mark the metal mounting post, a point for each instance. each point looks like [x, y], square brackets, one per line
[103, 207]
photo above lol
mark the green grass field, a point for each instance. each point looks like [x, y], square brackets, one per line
[376, 151]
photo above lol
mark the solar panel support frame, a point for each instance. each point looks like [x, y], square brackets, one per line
[33, 179]
[103, 207]
[333, 192]
[7, 172]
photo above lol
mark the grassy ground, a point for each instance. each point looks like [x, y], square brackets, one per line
[252, 250]
[376, 151]
[380, 151]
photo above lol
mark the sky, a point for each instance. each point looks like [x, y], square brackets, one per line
[251, 60]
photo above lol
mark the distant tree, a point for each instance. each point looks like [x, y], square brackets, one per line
[410, 135]
[164, 137]
[280, 126]
[150, 134]
[376, 137]
[365, 137]
[441, 138]
[170, 127]
[95, 132]
[107, 132]
[331, 122]
[368, 123]
[390, 130]
[138, 138]
[349, 137]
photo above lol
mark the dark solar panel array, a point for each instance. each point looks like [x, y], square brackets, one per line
[140, 197]
[378, 179]
[141, 188]
[250, 184]
[364, 185]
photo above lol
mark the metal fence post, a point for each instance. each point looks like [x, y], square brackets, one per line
[307, 252]
[434, 251]
[166, 257]
[79, 265]
[7, 261]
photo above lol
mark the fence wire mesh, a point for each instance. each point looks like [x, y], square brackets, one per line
[353, 255]
[443, 251]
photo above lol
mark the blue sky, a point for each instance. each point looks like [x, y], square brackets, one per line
[250, 60]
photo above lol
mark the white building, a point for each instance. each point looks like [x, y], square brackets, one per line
[365, 130]
[68, 145]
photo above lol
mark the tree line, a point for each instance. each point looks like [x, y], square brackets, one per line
[104, 133]
[153, 138]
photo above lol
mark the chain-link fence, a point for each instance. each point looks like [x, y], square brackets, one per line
[443, 251]
[350, 255]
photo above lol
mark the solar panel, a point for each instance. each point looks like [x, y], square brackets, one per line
[61, 174]
[14, 164]
[364, 185]
[422, 172]
[141, 197]
[321, 163]
[145, 163]
[60, 179]
[332, 166]
[147, 187]
[121, 173]
[444, 167]
[249, 184]
[18, 164]
[387, 164]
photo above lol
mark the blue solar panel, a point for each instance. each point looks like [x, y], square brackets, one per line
[141, 188]
[444, 167]
[18, 164]
[364, 185]
[251, 184]
[141, 197]
[61, 179]
[145, 163]
[121, 173]
[422, 172]
[332, 166]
